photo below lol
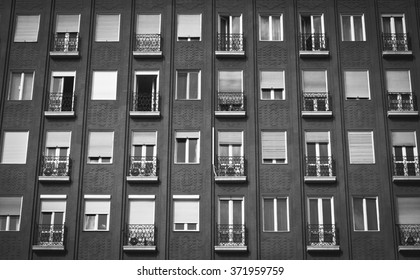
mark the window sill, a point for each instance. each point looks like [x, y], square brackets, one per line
[320, 179]
[139, 248]
[405, 178]
[314, 53]
[230, 248]
[145, 114]
[54, 178]
[409, 248]
[62, 114]
[230, 179]
[230, 113]
[323, 248]
[142, 178]
[403, 113]
[230, 53]
[64, 54]
[315, 114]
[396, 53]
[140, 54]
[48, 247]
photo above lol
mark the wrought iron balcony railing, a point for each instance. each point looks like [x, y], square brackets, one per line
[230, 166]
[145, 102]
[322, 235]
[406, 166]
[316, 102]
[230, 101]
[65, 42]
[402, 102]
[395, 42]
[140, 235]
[55, 166]
[50, 235]
[230, 235]
[142, 166]
[313, 42]
[61, 102]
[409, 235]
[230, 42]
[148, 43]
[319, 167]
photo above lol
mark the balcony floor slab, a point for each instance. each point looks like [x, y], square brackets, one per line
[54, 178]
[144, 114]
[405, 178]
[323, 248]
[48, 247]
[320, 179]
[139, 248]
[63, 114]
[231, 248]
[142, 178]
[230, 179]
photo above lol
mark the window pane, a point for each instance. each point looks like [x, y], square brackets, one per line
[46, 218]
[58, 218]
[14, 223]
[15, 86]
[189, 26]
[358, 214]
[358, 28]
[237, 212]
[326, 211]
[193, 150]
[180, 149]
[314, 81]
[313, 211]
[265, 93]
[191, 226]
[107, 28]
[181, 91]
[3, 220]
[179, 226]
[193, 85]
[282, 224]
[356, 84]
[102, 221]
[276, 28]
[372, 217]
[268, 214]
[90, 222]
[224, 212]
[346, 28]
[264, 28]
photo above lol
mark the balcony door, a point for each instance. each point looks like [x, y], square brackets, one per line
[393, 24]
[230, 30]
[231, 220]
[141, 222]
[143, 153]
[230, 152]
[51, 228]
[315, 90]
[405, 154]
[318, 154]
[312, 29]
[62, 90]
[321, 220]
[57, 151]
[146, 88]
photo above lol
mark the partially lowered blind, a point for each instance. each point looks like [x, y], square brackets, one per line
[100, 144]
[144, 138]
[67, 23]
[58, 139]
[230, 138]
[189, 26]
[27, 28]
[15, 146]
[142, 212]
[10, 206]
[398, 81]
[107, 28]
[314, 81]
[361, 147]
[273, 144]
[97, 207]
[230, 81]
[403, 139]
[186, 211]
[272, 79]
[148, 24]
[317, 137]
[53, 205]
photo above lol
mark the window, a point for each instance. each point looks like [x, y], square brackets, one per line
[97, 209]
[148, 24]
[272, 85]
[319, 161]
[27, 28]
[361, 147]
[404, 146]
[312, 24]
[100, 148]
[230, 81]
[393, 24]
[188, 84]
[321, 211]
[353, 28]
[276, 213]
[230, 144]
[21, 86]
[15, 146]
[398, 81]
[10, 211]
[408, 210]
[271, 28]
[107, 28]
[231, 211]
[189, 27]
[62, 89]
[274, 146]
[141, 210]
[144, 144]
[230, 24]
[57, 144]
[356, 84]
[146, 95]
[187, 147]
[104, 85]
[186, 212]
[365, 214]
[315, 81]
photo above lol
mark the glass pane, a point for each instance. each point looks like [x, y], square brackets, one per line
[63, 152]
[386, 21]
[27, 86]
[102, 221]
[399, 25]
[265, 94]
[313, 212]
[282, 214]
[276, 28]
[137, 150]
[180, 149]
[326, 212]
[46, 218]
[58, 218]
[310, 149]
[264, 28]
[224, 212]
[57, 84]
[323, 149]
[14, 223]
[193, 85]
[193, 150]
[3, 220]
[358, 214]
[15, 86]
[89, 222]
[358, 28]
[149, 150]
[237, 212]
[181, 90]
[346, 28]
[236, 25]
[317, 24]
[268, 214]
[179, 226]
[278, 94]
[192, 226]
[372, 217]
[236, 150]
[223, 150]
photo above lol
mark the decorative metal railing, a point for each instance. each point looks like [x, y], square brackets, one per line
[66, 42]
[61, 102]
[230, 42]
[230, 235]
[50, 235]
[319, 167]
[230, 101]
[395, 42]
[142, 166]
[322, 235]
[145, 102]
[316, 102]
[402, 102]
[147, 43]
[230, 166]
[409, 235]
[406, 166]
[313, 42]
[55, 166]
[141, 235]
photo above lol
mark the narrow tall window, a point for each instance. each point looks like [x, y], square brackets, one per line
[107, 28]
[353, 28]
[62, 91]
[15, 147]
[67, 33]
[188, 85]
[361, 147]
[271, 28]
[186, 213]
[100, 147]
[21, 85]
[365, 214]
[104, 85]
[187, 147]
[189, 27]
[276, 214]
[27, 28]
[97, 212]
[273, 145]
[405, 154]
[10, 212]
[272, 85]
[356, 84]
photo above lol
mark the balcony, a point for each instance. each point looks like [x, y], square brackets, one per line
[60, 105]
[230, 45]
[395, 44]
[55, 169]
[409, 237]
[313, 45]
[230, 237]
[230, 169]
[65, 45]
[322, 238]
[319, 170]
[142, 169]
[230, 104]
[406, 168]
[49, 237]
[147, 45]
[316, 104]
[145, 105]
[402, 104]
[140, 238]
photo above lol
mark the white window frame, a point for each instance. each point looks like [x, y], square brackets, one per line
[134, 197]
[317, 150]
[352, 31]
[100, 159]
[312, 22]
[56, 22]
[95, 94]
[21, 86]
[274, 161]
[37, 30]
[275, 215]
[106, 198]
[270, 27]
[230, 23]
[195, 198]
[320, 212]
[187, 150]
[392, 22]
[7, 228]
[365, 214]
[187, 94]
[61, 198]
[143, 147]
[368, 84]
[230, 213]
[4, 148]
[372, 146]
[189, 38]
[272, 96]
[96, 28]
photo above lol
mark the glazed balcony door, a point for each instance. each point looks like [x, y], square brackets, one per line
[321, 220]
[63, 88]
[231, 221]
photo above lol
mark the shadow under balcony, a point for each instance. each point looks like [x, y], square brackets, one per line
[230, 45]
[402, 104]
[145, 105]
[408, 237]
[65, 44]
[316, 104]
[230, 169]
[60, 105]
[230, 237]
[395, 44]
[55, 169]
[406, 169]
[322, 238]
[49, 237]
[313, 45]
[230, 104]
[319, 170]
[140, 237]
[142, 169]
[147, 45]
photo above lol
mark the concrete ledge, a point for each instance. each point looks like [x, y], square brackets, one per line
[325, 248]
[316, 113]
[405, 178]
[397, 53]
[62, 114]
[142, 178]
[408, 248]
[230, 113]
[139, 248]
[230, 248]
[64, 54]
[230, 53]
[144, 114]
[48, 247]
[403, 113]
[54, 178]
[321, 179]
[140, 54]
[230, 179]
[314, 53]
